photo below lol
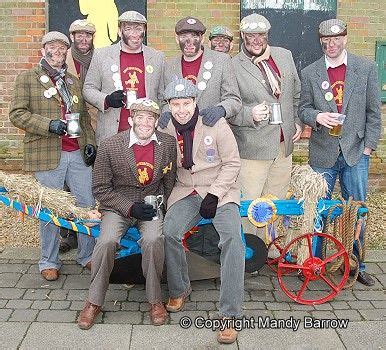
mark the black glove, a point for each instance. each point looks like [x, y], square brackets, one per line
[143, 211]
[115, 99]
[163, 121]
[58, 127]
[211, 115]
[89, 154]
[209, 206]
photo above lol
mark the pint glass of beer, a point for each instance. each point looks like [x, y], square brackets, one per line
[337, 129]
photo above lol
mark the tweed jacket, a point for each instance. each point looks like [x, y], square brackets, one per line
[90, 108]
[261, 140]
[217, 174]
[99, 83]
[115, 177]
[32, 112]
[221, 88]
[361, 105]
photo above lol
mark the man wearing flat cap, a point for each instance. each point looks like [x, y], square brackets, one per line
[340, 83]
[211, 71]
[130, 166]
[43, 97]
[122, 72]
[208, 164]
[265, 75]
[78, 60]
[220, 39]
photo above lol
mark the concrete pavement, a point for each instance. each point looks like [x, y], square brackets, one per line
[36, 314]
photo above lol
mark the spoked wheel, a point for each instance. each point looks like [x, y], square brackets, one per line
[308, 281]
[275, 249]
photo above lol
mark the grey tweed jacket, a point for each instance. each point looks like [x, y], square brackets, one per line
[99, 83]
[361, 105]
[221, 86]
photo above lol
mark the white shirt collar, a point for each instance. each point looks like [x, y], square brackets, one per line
[332, 65]
[134, 139]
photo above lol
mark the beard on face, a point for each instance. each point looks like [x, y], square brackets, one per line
[196, 42]
[83, 50]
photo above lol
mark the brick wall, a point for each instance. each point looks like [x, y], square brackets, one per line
[22, 23]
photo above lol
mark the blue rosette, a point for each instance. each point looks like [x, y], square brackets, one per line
[261, 212]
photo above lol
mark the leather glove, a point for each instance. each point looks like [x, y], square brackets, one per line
[58, 127]
[211, 115]
[89, 154]
[115, 99]
[142, 211]
[163, 121]
[209, 206]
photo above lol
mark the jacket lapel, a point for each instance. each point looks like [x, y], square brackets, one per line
[157, 158]
[149, 64]
[254, 71]
[321, 72]
[129, 155]
[350, 80]
[200, 78]
[47, 84]
[198, 133]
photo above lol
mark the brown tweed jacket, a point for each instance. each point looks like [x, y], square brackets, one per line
[32, 112]
[115, 178]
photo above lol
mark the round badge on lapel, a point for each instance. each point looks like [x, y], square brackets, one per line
[47, 94]
[325, 85]
[69, 81]
[116, 77]
[44, 79]
[208, 140]
[207, 75]
[208, 65]
[328, 96]
[201, 85]
[75, 99]
[114, 68]
[52, 91]
[149, 68]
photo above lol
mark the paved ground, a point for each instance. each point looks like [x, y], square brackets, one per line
[36, 314]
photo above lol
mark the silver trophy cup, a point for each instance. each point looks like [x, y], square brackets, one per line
[156, 202]
[131, 97]
[73, 126]
[275, 114]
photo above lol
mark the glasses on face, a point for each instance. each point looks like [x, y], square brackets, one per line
[220, 40]
[60, 48]
[257, 36]
[334, 40]
[133, 29]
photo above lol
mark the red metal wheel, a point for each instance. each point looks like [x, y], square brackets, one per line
[275, 249]
[315, 286]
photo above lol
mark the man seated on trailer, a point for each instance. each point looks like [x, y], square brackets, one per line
[130, 166]
[208, 164]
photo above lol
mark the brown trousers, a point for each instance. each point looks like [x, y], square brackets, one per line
[113, 227]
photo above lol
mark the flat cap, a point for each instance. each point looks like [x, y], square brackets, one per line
[190, 24]
[55, 36]
[144, 104]
[132, 16]
[221, 31]
[332, 27]
[82, 25]
[254, 23]
[180, 88]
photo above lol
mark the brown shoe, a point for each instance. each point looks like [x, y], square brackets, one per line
[88, 266]
[50, 274]
[88, 315]
[176, 304]
[227, 336]
[158, 314]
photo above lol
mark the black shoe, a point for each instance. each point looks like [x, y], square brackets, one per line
[365, 278]
[68, 241]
